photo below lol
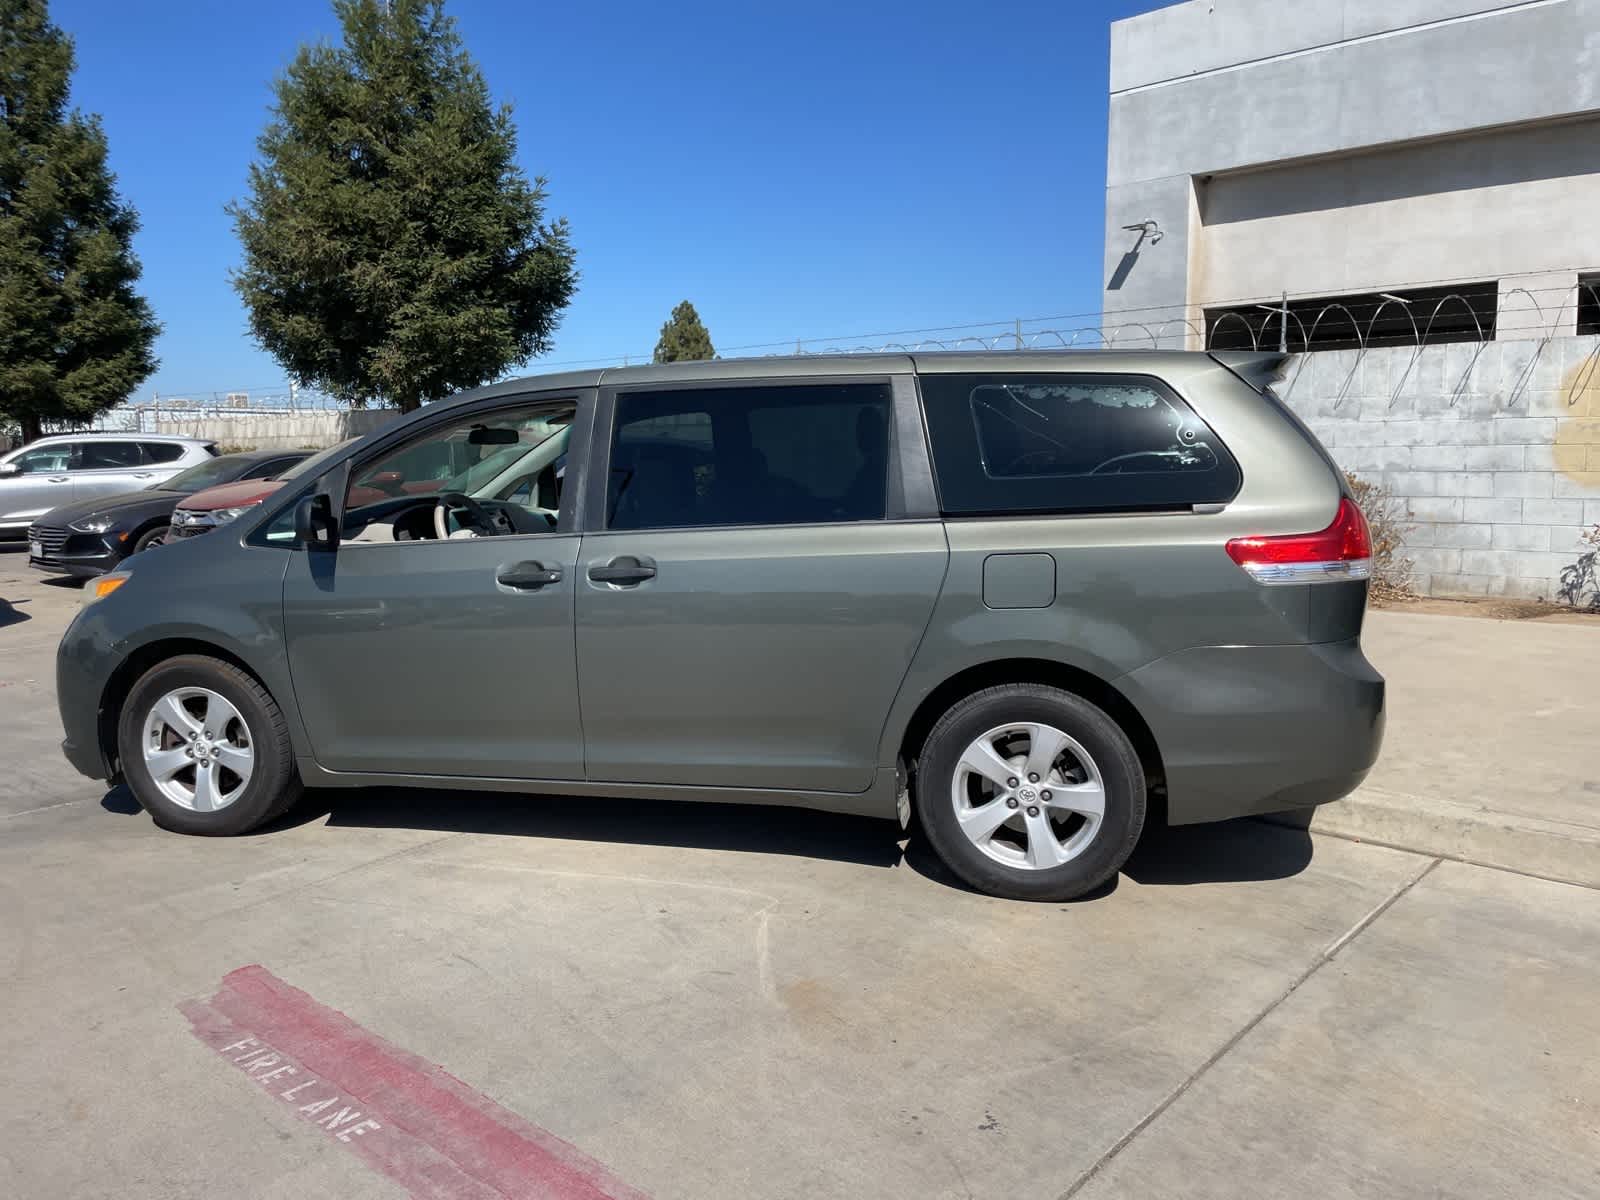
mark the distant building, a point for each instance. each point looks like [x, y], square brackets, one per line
[1375, 154]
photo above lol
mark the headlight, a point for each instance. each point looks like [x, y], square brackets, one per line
[223, 515]
[92, 524]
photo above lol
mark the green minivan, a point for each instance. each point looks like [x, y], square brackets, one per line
[1021, 600]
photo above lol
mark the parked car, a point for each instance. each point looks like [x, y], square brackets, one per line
[204, 510]
[90, 537]
[1018, 598]
[65, 468]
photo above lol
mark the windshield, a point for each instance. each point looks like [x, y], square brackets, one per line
[481, 474]
[474, 455]
[200, 476]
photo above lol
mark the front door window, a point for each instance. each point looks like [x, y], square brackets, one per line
[488, 474]
[44, 460]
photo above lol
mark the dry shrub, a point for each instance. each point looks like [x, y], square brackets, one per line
[1389, 520]
[1582, 578]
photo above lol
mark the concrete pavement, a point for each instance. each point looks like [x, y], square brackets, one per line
[718, 1002]
[1492, 753]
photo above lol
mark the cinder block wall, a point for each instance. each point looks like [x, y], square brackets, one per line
[280, 431]
[1494, 446]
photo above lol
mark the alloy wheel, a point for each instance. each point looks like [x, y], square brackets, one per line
[198, 749]
[1028, 795]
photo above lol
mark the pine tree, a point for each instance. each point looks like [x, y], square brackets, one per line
[393, 249]
[75, 338]
[684, 338]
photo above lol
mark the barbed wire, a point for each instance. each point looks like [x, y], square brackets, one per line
[1360, 322]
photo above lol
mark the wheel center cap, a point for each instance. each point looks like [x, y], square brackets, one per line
[1027, 795]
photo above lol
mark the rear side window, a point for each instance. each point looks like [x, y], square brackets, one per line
[162, 452]
[101, 456]
[786, 454]
[271, 467]
[1070, 443]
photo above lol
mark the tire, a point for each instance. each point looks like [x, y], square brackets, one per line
[252, 734]
[953, 795]
[151, 537]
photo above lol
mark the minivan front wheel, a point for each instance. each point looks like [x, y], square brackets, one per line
[1030, 792]
[205, 749]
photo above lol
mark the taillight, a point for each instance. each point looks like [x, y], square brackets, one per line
[1342, 551]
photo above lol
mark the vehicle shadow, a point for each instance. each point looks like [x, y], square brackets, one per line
[120, 800]
[10, 614]
[735, 827]
[1239, 851]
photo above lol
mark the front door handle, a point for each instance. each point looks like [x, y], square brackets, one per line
[58, 479]
[624, 572]
[527, 576]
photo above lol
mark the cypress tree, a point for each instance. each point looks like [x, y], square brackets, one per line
[393, 248]
[75, 337]
[684, 338]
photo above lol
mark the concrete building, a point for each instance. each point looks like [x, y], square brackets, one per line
[1345, 149]
[1408, 173]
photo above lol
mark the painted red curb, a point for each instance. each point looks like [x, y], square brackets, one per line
[406, 1117]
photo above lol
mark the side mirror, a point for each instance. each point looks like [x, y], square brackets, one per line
[7, 470]
[314, 526]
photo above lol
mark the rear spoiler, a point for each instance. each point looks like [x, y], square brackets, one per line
[1259, 368]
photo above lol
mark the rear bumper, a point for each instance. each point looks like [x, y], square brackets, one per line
[1256, 729]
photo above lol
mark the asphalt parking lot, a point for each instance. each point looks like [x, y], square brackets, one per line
[503, 996]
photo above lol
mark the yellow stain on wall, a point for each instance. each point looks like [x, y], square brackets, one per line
[1577, 445]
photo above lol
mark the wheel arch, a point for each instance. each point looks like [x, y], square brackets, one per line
[1079, 682]
[133, 667]
[146, 526]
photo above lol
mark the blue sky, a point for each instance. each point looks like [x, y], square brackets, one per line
[812, 171]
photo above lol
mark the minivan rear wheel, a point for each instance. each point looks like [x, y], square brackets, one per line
[205, 749]
[1030, 792]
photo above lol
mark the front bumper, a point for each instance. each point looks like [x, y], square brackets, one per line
[68, 552]
[85, 569]
[84, 664]
[1256, 729]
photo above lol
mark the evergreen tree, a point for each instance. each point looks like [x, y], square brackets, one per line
[684, 338]
[393, 249]
[75, 338]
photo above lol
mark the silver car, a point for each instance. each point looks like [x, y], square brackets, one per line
[68, 467]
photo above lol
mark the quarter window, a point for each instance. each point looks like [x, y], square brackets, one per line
[1042, 443]
[162, 452]
[788, 454]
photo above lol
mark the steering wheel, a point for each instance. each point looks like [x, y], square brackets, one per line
[459, 501]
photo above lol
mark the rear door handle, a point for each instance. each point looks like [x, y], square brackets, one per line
[527, 576]
[144, 474]
[58, 479]
[625, 571]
